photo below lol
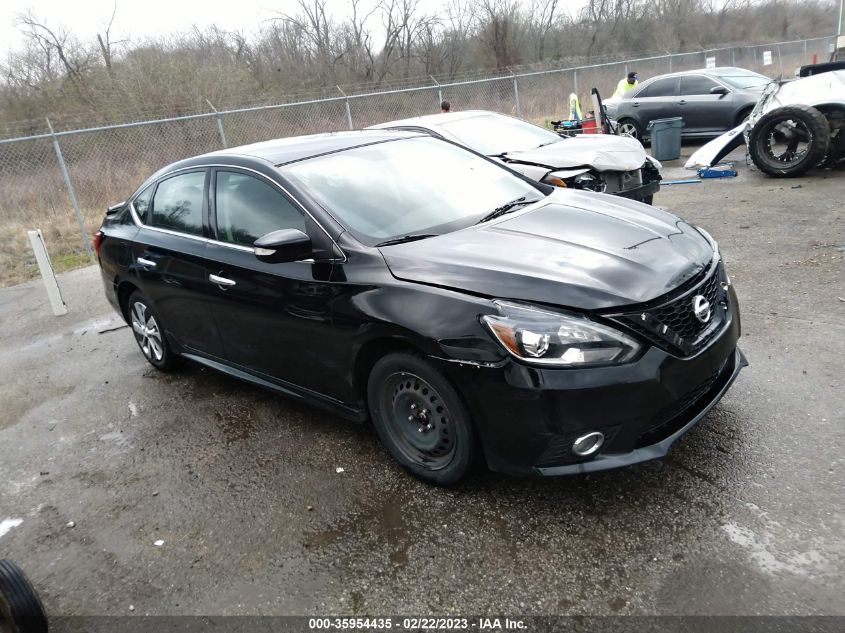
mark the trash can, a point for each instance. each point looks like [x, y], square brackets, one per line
[665, 135]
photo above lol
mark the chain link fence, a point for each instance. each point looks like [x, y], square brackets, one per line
[61, 182]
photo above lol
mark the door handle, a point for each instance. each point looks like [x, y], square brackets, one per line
[221, 281]
[146, 263]
[636, 104]
[682, 102]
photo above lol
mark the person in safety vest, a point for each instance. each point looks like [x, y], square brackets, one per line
[626, 84]
[574, 108]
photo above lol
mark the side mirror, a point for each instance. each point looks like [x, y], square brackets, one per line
[285, 245]
[718, 90]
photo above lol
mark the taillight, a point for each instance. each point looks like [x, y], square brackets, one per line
[97, 239]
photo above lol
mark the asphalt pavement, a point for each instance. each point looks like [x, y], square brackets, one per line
[126, 491]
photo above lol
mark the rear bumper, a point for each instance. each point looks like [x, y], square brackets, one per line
[529, 417]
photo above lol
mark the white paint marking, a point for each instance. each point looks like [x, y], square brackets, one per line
[758, 551]
[158, 543]
[763, 550]
[133, 409]
[8, 524]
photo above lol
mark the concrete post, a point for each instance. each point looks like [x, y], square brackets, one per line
[54, 294]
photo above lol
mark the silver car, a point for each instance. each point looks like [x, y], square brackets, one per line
[594, 162]
[710, 101]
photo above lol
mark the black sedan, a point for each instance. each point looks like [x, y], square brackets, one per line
[710, 101]
[468, 312]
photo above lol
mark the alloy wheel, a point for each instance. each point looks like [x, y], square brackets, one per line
[418, 420]
[628, 129]
[147, 332]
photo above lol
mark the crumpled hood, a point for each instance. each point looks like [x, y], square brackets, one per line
[572, 249]
[602, 152]
[826, 87]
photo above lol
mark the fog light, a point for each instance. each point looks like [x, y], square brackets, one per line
[588, 444]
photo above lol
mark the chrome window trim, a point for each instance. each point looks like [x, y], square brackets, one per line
[239, 247]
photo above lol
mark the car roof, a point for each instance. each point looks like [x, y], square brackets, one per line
[280, 151]
[716, 72]
[433, 120]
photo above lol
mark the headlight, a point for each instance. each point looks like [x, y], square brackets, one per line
[552, 338]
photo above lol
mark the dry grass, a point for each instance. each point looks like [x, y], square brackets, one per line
[17, 261]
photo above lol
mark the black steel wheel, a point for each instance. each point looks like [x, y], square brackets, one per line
[788, 141]
[420, 418]
[149, 332]
[21, 610]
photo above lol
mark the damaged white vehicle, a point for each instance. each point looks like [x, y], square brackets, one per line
[595, 162]
[794, 127]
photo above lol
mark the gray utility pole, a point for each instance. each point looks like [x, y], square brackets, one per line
[840, 40]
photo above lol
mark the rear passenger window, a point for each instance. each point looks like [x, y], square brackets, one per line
[177, 204]
[248, 208]
[142, 203]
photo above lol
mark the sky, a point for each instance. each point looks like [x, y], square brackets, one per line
[142, 18]
[148, 18]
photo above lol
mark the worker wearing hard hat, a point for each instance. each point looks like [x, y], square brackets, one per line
[626, 84]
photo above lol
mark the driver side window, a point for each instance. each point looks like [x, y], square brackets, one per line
[248, 208]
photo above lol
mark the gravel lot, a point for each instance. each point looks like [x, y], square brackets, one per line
[745, 516]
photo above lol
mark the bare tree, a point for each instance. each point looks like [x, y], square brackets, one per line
[74, 58]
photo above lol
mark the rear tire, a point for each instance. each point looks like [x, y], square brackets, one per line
[149, 332]
[21, 610]
[788, 141]
[420, 418]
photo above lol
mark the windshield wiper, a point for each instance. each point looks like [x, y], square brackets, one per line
[506, 208]
[407, 238]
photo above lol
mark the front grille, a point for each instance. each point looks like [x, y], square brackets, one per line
[675, 416]
[632, 179]
[672, 324]
[679, 316]
[615, 181]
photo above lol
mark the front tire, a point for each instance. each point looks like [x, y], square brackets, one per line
[420, 418]
[788, 141]
[629, 127]
[149, 332]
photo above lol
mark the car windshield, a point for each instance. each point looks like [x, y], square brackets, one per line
[412, 186]
[744, 81]
[493, 134]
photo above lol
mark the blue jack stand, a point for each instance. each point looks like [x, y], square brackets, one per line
[712, 172]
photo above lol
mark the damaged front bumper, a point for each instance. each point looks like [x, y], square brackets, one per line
[639, 184]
